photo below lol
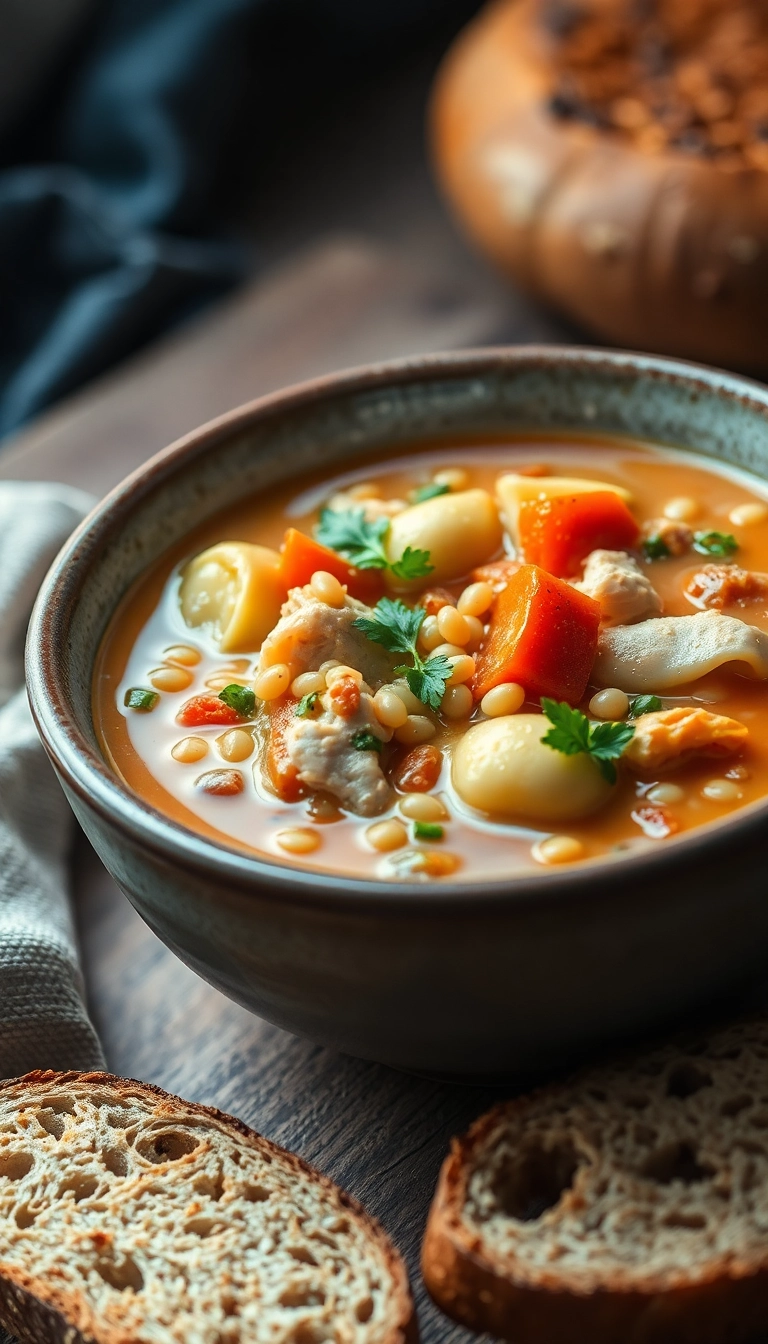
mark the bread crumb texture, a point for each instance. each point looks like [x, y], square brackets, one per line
[139, 1217]
[647, 1177]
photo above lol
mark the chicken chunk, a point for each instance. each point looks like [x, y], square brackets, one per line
[670, 737]
[373, 508]
[310, 633]
[623, 589]
[718, 586]
[677, 537]
[673, 650]
[322, 750]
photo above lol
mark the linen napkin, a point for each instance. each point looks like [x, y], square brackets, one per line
[43, 1019]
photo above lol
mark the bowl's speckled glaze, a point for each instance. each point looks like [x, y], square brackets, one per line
[452, 979]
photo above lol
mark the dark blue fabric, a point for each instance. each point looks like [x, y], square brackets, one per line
[113, 192]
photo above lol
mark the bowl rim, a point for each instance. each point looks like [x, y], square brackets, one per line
[88, 775]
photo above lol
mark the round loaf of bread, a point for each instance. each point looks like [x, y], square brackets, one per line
[617, 167]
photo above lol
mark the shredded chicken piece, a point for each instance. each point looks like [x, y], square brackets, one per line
[323, 752]
[373, 509]
[717, 586]
[623, 589]
[310, 633]
[672, 650]
[670, 737]
[677, 537]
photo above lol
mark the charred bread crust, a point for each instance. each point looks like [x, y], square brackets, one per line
[34, 1311]
[499, 1297]
[662, 251]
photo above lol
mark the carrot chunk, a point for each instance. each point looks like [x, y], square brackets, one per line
[203, 709]
[301, 556]
[543, 635]
[558, 533]
[281, 772]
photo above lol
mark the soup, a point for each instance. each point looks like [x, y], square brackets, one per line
[464, 663]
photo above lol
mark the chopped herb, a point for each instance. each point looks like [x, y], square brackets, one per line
[656, 548]
[644, 704]
[307, 704]
[427, 830]
[365, 741]
[714, 543]
[138, 698]
[430, 491]
[239, 698]
[573, 733]
[396, 627]
[361, 541]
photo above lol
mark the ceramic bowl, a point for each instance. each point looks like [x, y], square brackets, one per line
[456, 979]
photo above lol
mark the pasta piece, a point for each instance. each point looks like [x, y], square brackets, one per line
[670, 651]
[670, 737]
[512, 490]
[233, 589]
[623, 589]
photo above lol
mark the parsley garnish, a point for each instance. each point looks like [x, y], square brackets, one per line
[714, 543]
[396, 627]
[644, 704]
[430, 491]
[307, 704]
[361, 541]
[138, 698]
[573, 733]
[656, 548]
[239, 698]
[427, 830]
[365, 741]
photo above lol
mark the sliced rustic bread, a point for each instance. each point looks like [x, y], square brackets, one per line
[128, 1216]
[626, 1206]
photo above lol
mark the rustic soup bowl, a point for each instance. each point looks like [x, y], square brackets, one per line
[466, 980]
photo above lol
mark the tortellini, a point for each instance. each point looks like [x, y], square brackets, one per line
[514, 490]
[234, 589]
[670, 651]
[502, 767]
[460, 530]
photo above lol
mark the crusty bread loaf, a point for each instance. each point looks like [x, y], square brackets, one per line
[128, 1216]
[627, 1206]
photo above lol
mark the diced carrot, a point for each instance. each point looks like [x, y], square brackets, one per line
[203, 709]
[497, 573]
[281, 772]
[543, 635]
[558, 533]
[301, 556]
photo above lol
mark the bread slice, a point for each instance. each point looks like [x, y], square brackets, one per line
[128, 1216]
[626, 1206]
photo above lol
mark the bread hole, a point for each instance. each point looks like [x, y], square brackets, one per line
[695, 1222]
[749, 1177]
[117, 1119]
[734, 1105]
[115, 1161]
[364, 1310]
[52, 1122]
[750, 1146]
[229, 1305]
[15, 1165]
[536, 1179]
[637, 1101]
[302, 1254]
[80, 1186]
[645, 1135]
[759, 1120]
[212, 1186]
[60, 1104]
[24, 1217]
[301, 1295]
[202, 1227]
[121, 1274]
[686, 1079]
[167, 1146]
[256, 1194]
[674, 1162]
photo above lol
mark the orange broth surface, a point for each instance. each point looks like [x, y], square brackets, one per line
[147, 622]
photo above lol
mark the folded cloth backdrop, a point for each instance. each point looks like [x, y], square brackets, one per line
[128, 130]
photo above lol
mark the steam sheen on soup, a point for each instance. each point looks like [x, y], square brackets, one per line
[463, 663]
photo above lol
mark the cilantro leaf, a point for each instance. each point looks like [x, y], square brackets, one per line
[431, 491]
[306, 705]
[572, 733]
[656, 548]
[396, 627]
[359, 540]
[366, 741]
[715, 543]
[239, 698]
[413, 564]
[644, 704]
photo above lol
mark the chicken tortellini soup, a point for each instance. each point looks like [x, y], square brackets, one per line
[424, 669]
